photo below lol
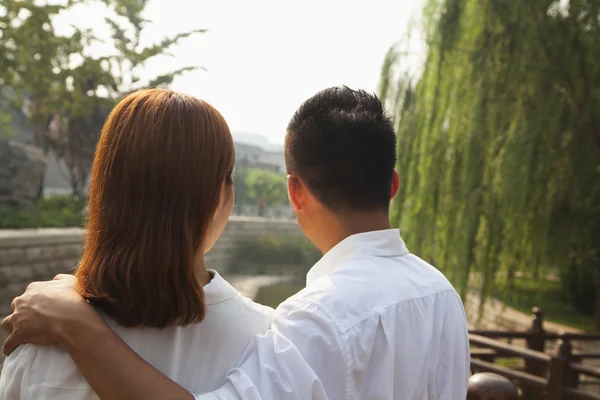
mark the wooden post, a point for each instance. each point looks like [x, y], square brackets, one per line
[564, 349]
[536, 341]
[558, 370]
[488, 386]
[573, 376]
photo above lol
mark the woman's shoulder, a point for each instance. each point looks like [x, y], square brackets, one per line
[238, 314]
[31, 370]
[14, 379]
[224, 302]
[16, 367]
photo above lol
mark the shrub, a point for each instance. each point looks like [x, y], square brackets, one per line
[53, 212]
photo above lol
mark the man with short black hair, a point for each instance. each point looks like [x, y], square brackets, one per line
[343, 147]
[374, 322]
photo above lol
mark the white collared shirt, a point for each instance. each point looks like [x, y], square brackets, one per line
[373, 323]
[197, 356]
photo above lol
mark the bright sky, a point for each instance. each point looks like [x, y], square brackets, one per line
[264, 57]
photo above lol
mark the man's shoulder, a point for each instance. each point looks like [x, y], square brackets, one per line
[312, 305]
[365, 286]
[307, 297]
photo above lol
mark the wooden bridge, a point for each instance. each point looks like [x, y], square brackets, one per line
[537, 371]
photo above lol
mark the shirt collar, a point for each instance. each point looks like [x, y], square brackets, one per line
[384, 243]
[218, 289]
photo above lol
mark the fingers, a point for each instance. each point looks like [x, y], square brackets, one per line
[12, 341]
[10, 344]
[7, 324]
[60, 277]
[13, 304]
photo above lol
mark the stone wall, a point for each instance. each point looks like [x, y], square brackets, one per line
[29, 255]
[39, 254]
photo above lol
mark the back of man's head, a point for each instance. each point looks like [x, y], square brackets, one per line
[342, 146]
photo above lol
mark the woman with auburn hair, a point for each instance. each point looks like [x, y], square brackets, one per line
[160, 196]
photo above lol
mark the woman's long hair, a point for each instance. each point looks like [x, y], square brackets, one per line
[159, 168]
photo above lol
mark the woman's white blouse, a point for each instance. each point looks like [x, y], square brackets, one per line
[197, 356]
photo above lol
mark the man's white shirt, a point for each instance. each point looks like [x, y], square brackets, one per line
[374, 323]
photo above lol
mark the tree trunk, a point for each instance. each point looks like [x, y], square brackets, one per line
[597, 305]
[536, 272]
[510, 274]
[76, 189]
[43, 177]
[39, 141]
[510, 278]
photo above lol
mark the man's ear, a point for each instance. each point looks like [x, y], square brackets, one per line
[296, 193]
[395, 184]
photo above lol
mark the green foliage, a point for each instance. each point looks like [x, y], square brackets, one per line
[66, 91]
[253, 184]
[499, 141]
[275, 255]
[270, 186]
[5, 130]
[240, 186]
[54, 212]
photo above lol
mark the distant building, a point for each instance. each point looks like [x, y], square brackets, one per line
[252, 139]
[252, 156]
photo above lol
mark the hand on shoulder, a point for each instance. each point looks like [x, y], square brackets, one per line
[41, 314]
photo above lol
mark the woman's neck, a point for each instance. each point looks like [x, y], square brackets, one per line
[202, 274]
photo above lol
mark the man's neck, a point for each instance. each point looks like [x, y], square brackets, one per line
[337, 228]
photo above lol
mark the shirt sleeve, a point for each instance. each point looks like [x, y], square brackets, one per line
[14, 379]
[301, 357]
[454, 370]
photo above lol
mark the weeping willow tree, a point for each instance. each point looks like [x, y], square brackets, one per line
[499, 142]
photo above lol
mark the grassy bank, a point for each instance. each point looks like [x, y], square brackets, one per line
[546, 294]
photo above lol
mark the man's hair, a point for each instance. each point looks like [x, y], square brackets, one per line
[159, 168]
[342, 146]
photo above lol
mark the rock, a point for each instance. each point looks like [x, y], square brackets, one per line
[21, 171]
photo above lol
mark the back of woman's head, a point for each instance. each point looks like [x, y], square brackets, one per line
[159, 168]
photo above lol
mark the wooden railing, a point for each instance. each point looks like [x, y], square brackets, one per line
[555, 375]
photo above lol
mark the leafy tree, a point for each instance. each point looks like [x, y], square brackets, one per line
[270, 187]
[253, 186]
[66, 92]
[240, 185]
[499, 140]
